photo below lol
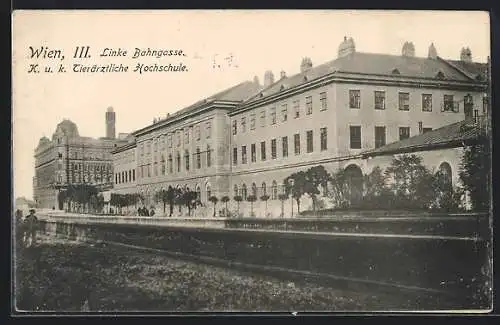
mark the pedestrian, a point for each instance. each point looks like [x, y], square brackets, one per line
[145, 212]
[31, 225]
[152, 212]
[139, 211]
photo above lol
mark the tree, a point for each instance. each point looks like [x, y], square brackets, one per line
[295, 186]
[225, 199]
[314, 178]
[475, 173]
[162, 196]
[171, 198]
[238, 199]
[214, 200]
[376, 193]
[265, 198]
[282, 197]
[190, 200]
[251, 199]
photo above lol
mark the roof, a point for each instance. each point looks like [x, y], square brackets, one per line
[235, 94]
[471, 69]
[371, 64]
[67, 128]
[452, 135]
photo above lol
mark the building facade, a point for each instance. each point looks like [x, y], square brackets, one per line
[124, 167]
[248, 139]
[70, 159]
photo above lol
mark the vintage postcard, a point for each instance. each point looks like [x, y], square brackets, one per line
[184, 161]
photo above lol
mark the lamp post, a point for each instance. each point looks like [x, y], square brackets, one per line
[291, 181]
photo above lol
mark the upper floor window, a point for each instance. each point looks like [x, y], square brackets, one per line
[404, 101]
[209, 156]
[426, 102]
[273, 149]
[404, 133]
[170, 141]
[425, 130]
[243, 154]
[296, 141]
[243, 124]
[252, 121]
[323, 101]
[197, 132]
[178, 138]
[253, 153]
[309, 105]
[263, 118]
[284, 112]
[186, 158]
[209, 130]
[273, 115]
[379, 99]
[354, 99]
[309, 141]
[324, 139]
[263, 150]
[235, 127]
[449, 104]
[155, 145]
[296, 108]
[198, 158]
[355, 137]
[235, 156]
[284, 144]
[186, 136]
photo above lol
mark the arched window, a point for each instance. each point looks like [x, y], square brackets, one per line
[163, 169]
[244, 192]
[198, 192]
[198, 158]
[178, 162]
[264, 189]
[129, 175]
[209, 191]
[445, 176]
[274, 193]
[170, 164]
[209, 156]
[186, 158]
[254, 189]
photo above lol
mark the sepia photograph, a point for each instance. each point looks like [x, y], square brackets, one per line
[244, 161]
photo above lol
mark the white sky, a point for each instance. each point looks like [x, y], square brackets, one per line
[258, 40]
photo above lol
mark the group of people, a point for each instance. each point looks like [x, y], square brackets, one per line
[26, 227]
[143, 212]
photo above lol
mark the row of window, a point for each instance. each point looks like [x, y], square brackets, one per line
[149, 170]
[449, 104]
[283, 113]
[380, 135]
[284, 145]
[125, 177]
[273, 195]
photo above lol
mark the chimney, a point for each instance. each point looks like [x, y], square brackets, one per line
[466, 54]
[282, 74]
[268, 78]
[346, 47]
[420, 128]
[306, 64]
[408, 49]
[432, 52]
[110, 123]
[256, 80]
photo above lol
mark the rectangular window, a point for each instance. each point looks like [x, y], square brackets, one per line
[243, 124]
[354, 99]
[235, 156]
[209, 156]
[322, 99]
[170, 141]
[284, 144]
[449, 104]
[284, 112]
[296, 108]
[186, 136]
[252, 122]
[263, 118]
[309, 105]
[273, 115]
[178, 139]
[404, 133]
[324, 139]
[426, 102]
[379, 136]
[273, 149]
[198, 133]
[309, 141]
[253, 153]
[209, 130]
[155, 145]
[263, 150]
[162, 143]
[243, 154]
[424, 130]
[355, 137]
[234, 127]
[296, 142]
[133, 175]
[380, 100]
[404, 101]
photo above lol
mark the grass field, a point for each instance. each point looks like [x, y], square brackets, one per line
[62, 276]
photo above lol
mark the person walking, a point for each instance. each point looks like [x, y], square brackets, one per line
[31, 225]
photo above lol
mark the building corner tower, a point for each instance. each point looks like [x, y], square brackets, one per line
[110, 123]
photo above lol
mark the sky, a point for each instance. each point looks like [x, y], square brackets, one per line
[257, 41]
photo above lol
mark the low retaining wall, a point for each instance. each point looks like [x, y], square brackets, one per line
[449, 264]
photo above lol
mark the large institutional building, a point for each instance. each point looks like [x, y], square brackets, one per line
[249, 138]
[69, 158]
